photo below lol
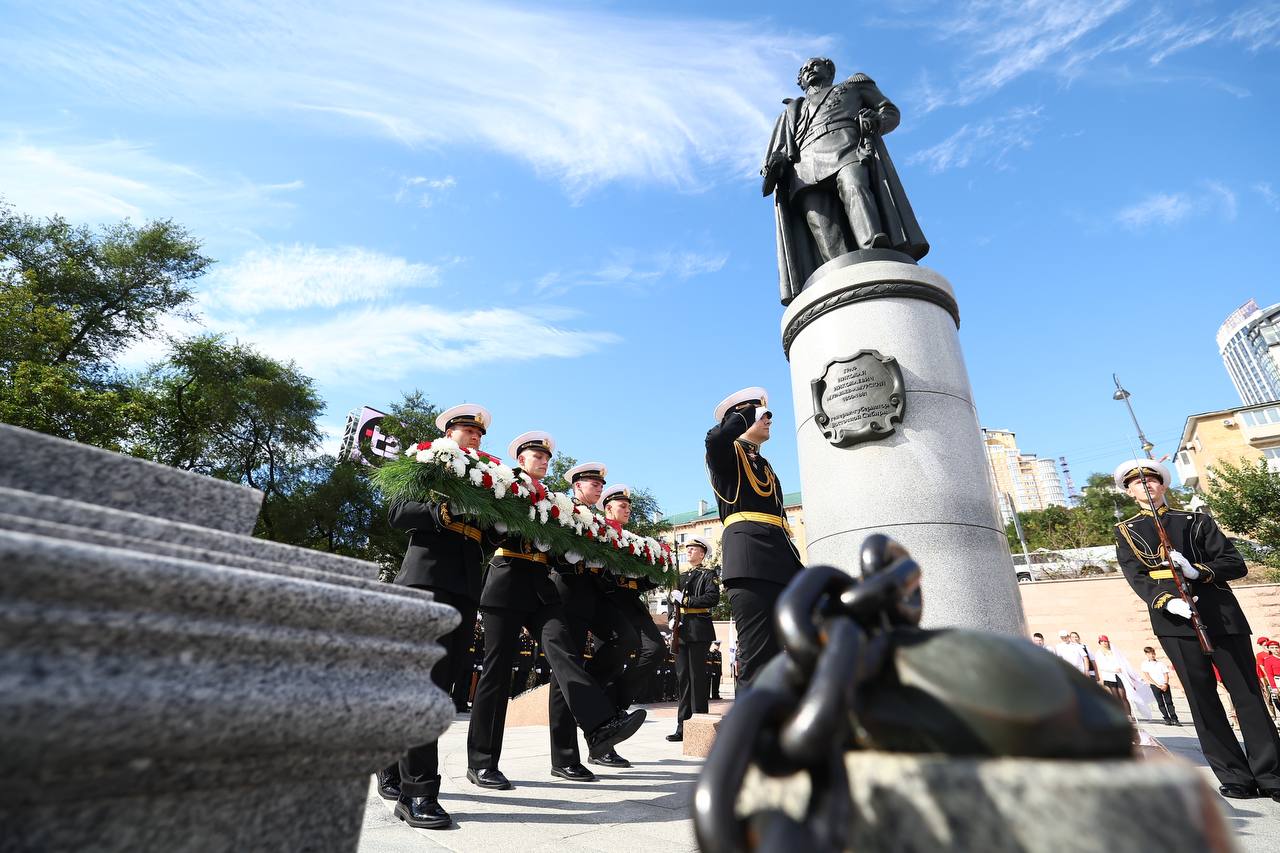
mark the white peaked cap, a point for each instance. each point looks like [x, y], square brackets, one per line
[1125, 470]
[619, 491]
[586, 469]
[466, 413]
[532, 438]
[699, 541]
[745, 395]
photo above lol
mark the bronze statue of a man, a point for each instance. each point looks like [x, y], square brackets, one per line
[835, 188]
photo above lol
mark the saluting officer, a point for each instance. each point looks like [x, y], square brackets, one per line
[587, 609]
[759, 559]
[445, 556]
[518, 592]
[1207, 560]
[699, 592]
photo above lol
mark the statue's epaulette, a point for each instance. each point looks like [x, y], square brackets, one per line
[860, 78]
[787, 100]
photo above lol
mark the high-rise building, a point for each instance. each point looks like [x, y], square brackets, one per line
[1026, 480]
[1249, 340]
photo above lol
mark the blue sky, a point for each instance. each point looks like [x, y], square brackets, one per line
[553, 209]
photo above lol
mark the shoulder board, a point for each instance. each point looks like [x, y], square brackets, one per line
[1129, 519]
[860, 78]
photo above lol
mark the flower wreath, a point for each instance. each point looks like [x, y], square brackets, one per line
[498, 496]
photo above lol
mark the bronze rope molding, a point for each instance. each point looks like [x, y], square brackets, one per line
[863, 292]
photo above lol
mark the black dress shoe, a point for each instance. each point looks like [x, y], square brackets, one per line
[389, 784]
[574, 773]
[1273, 793]
[423, 812]
[609, 759]
[1238, 792]
[488, 778]
[675, 737]
[609, 734]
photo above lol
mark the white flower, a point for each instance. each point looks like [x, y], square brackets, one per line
[476, 476]
[445, 444]
[541, 546]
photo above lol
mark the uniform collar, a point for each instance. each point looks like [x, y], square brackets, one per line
[751, 446]
[1161, 510]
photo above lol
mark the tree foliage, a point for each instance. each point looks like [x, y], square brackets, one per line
[1245, 499]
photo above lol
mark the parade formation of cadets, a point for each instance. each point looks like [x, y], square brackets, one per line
[537, 612]
[1206, 560]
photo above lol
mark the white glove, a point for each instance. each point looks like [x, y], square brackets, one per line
[1178, 607]
[500, 526]
[572, 557]
[1189, 571]
[677, 597]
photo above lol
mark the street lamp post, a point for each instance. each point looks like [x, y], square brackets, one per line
[1121, 394]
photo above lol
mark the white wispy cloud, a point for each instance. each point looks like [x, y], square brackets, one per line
[424, 191]
[986, 142]
[293, 277]
[1225, 196]
[1159, 208]
[1269, 196]
[114, 178]
[398, 340]
[1209, 198]
[628, 269]
[585, 96]
[1003, 40]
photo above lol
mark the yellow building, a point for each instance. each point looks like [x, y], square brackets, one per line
[704, 522]
[1244, 433]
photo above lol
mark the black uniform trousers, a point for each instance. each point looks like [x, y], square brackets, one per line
[752, 601]
[585, 698]
[691, 678]
[420, 766]
[586, 608]
[1234, 658]
[713, 672]
[632, 684]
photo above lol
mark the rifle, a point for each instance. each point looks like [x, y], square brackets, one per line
[1178, 581]
[675, 623]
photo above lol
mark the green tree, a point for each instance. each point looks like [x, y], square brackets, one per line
[412, 419]
[70, 300]
[112, 286]
[556, 480]
[228, 411]
[1245, 499]
[646, 515]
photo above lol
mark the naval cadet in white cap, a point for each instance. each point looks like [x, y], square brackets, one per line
[445, 556]
[758, 556]
[519, 593]
[1206, 560]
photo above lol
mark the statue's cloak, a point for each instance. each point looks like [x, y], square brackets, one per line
[797, 253]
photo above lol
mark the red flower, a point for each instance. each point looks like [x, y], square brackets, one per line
[555, 512]
[486, 481]
[515, 488]
[590, 531]
[424, 445]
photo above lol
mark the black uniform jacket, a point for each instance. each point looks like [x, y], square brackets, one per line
[444, 552]
[1197, 537]
[518, 577]
[701, 590]
[754, 545]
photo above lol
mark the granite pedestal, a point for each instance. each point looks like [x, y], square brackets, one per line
[927, 484]
[168, 682]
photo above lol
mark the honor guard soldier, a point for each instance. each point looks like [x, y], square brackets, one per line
[759, 559]
[445, 556]
[587, 610]
[715, 666]
[523, 666]
[699, 592]
[628, 597]
[1206, 560]
[519, 593]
